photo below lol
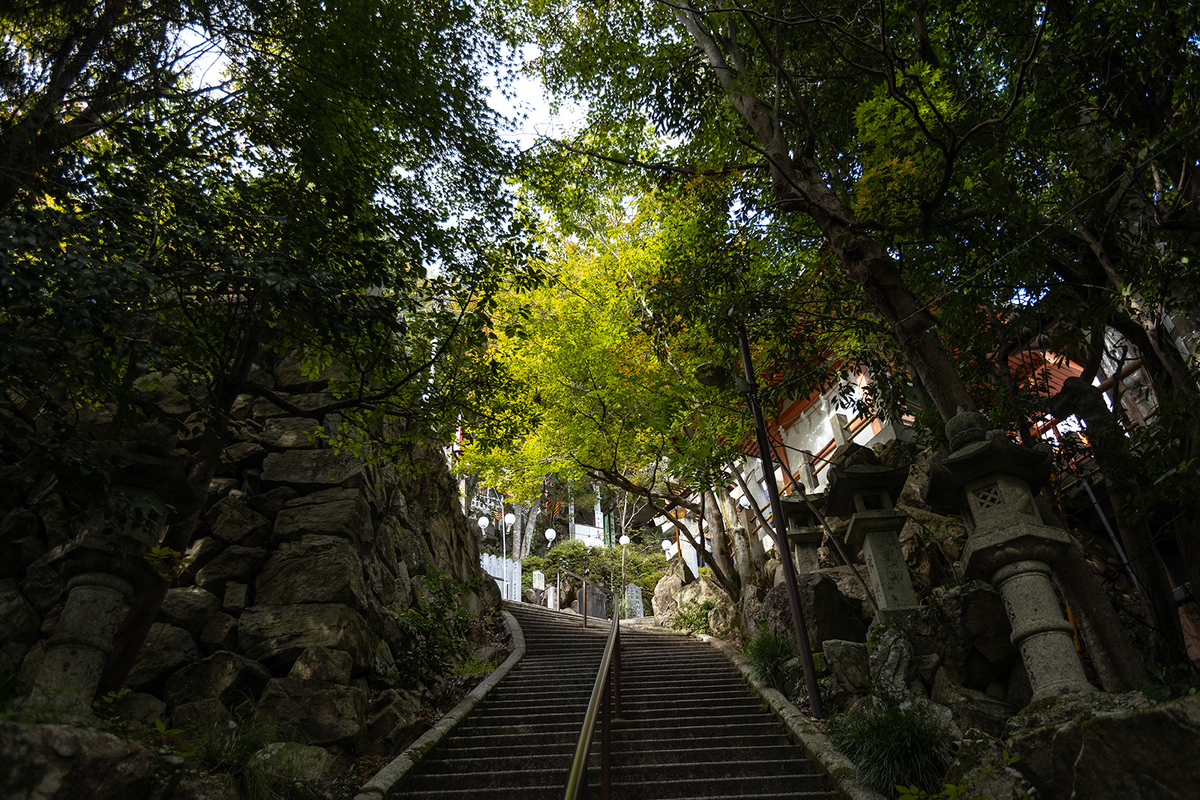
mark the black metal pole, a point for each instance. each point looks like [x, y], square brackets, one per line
[780, 531]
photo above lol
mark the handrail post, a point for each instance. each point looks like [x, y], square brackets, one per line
[605, 738]
[617, 670]
[583, 603]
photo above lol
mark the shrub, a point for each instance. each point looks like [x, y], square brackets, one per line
[435, 631]
[694, 617]
[769, 653]
[894, 748]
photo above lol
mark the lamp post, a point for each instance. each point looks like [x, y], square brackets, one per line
[624, 540]
[483, 523]
[509, 519]
[780, 523]
[551, 534]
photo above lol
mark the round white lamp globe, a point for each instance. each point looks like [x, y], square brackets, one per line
[624, 540]
[510, 518]
[483, 523]
[550, 534]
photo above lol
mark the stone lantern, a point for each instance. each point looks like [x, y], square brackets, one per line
[866, 494]
[107, 563]
[804, 533]
[990, 480]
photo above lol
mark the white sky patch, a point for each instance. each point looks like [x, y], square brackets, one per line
[528, 112]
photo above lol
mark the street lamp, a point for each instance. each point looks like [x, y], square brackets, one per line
[509, 519]
[624, 540]
[483, 523]
[550, 535]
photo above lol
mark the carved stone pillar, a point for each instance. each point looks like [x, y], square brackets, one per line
[991, 481]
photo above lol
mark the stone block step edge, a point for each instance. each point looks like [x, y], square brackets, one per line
[840, 770]
[384, 781]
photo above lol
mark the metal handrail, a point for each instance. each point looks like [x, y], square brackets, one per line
[606, 676]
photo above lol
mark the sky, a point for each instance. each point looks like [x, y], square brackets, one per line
[530, 99]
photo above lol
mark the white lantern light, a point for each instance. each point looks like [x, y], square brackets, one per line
[667, 544]
[483, 523]
[624, 540]
[510, 518]
[550, 534]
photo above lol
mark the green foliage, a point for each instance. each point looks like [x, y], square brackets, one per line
[768, 653]
[602, 564]
[948, 792]
[956, 791]
[435, 630]
[693, 617]
[1177, 681]
[155, 240]
[893, 748]
[476, 667]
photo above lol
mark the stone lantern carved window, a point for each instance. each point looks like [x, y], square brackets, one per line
[988, 496]
[873, 501]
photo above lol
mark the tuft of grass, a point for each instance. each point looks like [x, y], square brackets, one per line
[768, 653]
[229, 747]
[894, 748]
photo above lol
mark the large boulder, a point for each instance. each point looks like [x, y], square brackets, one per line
[291, 433]
[1047, 736]
[316, 569]
[59, 762]
[295, 762]
[167, 648]
[394, 723]
[189, 607]
[277, 635]
[894, 680]
[827, 612]
[235, 563]
[326, 713]
[226, 676]
[312, 470]
[1148, 754]
[233, 521]
[331, 512]
[849, 665]
[323, 664]
[971, 708]
[666, 592]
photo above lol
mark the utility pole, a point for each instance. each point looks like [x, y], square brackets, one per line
[780, 525]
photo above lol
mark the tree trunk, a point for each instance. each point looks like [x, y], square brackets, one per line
[720, 537]
[1117, 661]
[1108, 439]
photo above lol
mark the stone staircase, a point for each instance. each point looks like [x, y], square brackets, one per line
[689, 726]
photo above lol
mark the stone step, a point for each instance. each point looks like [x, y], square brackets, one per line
[690, 727]
[740, 781]
[707, 769]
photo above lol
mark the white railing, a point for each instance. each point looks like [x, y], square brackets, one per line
[505, 571]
